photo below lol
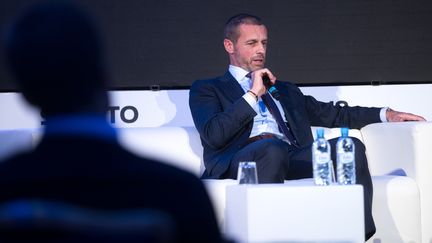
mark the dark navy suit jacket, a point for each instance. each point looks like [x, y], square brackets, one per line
[224, 119]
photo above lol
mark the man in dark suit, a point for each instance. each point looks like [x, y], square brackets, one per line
[236, 122]
[55, 54]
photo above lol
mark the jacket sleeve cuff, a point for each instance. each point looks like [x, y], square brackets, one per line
[383, 116]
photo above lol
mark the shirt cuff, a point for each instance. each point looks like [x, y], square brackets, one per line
[383, 115]
[251, 100]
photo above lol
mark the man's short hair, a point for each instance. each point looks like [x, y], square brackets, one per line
[231, 27]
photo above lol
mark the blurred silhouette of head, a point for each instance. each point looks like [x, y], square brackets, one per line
[54, 52]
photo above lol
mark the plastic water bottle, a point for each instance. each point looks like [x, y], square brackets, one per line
[322, 164]
[345, 150]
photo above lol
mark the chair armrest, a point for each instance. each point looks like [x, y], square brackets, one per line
[399, 146]
[404, 146]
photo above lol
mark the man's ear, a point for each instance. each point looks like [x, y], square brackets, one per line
[229, 46]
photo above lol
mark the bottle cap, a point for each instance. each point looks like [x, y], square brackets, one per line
[320, 132]
[344, 131]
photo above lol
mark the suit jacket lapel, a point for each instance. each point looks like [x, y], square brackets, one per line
[233, 92]
[231, 87]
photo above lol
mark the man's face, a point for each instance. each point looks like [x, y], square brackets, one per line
[249, 51]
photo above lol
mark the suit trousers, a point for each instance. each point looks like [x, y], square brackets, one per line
[278, 161]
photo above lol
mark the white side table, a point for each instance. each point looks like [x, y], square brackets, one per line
[295, 212]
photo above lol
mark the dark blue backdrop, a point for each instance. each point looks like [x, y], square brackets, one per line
[171, 43]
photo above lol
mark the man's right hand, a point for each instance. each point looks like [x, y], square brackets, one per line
[257, 82]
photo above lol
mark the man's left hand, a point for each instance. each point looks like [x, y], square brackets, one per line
[397, 116]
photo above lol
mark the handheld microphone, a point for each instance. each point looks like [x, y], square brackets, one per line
[270, 87]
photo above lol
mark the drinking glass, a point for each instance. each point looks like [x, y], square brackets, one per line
[247, 173]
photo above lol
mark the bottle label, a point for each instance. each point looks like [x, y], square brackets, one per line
[346, 157]
[322, 158]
